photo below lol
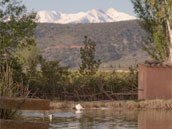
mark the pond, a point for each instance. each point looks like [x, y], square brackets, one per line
[103, 119]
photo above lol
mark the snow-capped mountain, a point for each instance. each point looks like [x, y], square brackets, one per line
[91, 16]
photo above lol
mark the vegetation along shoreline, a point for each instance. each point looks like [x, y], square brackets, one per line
[157, 104]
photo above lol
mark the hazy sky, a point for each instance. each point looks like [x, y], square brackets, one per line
[72, 6]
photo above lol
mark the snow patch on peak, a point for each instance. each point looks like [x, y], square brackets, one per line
[119, 16]
[48, 16]
[111, 10]
[91, 16]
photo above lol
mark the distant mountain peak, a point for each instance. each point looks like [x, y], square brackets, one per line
[91, 16]
[111, 10]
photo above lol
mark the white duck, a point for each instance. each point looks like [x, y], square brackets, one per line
[78, 107]
[50, 116]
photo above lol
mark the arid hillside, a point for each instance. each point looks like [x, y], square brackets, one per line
[118, 44]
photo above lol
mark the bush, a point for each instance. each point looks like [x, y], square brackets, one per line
[102, 86]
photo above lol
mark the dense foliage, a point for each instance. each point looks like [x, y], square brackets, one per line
[50, 80]
[102, 86]
[16, 33]
[156, 18]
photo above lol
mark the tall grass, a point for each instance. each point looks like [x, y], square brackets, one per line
[10, 88]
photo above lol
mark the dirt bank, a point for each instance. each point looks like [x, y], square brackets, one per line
[131, 105]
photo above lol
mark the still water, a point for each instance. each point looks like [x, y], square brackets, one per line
[103, 119]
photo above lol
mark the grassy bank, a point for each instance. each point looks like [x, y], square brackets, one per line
[117, 105]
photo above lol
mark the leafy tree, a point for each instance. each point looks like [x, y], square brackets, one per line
[16, 24]
[16, 29]
[16, 33]
[53, 77]
[29, 57]
[89, 65]
[156, 20]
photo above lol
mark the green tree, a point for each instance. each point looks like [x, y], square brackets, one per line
[16, 29]
[29, 57]
[16, 33]
[156, 20]
[54, 77]
[89, 65]
[16, 24]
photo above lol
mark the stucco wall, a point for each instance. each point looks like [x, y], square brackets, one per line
[155, 82]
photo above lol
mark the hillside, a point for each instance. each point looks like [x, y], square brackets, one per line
[118, 44]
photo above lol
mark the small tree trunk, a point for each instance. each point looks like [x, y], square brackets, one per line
[170, 36]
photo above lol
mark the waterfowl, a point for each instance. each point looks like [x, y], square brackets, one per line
[50, 116]
[78, 107]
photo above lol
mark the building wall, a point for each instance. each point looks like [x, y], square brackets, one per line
[155, 82]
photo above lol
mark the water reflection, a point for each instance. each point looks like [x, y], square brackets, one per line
[104, 119]
[92, 119]
[155, 120]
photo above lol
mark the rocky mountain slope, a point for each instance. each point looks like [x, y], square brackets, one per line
[118, 44]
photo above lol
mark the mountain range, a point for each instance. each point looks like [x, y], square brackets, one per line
[118, 36]
[91, 16]
[118, 43]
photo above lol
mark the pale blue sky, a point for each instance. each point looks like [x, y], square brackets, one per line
[73, 6]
